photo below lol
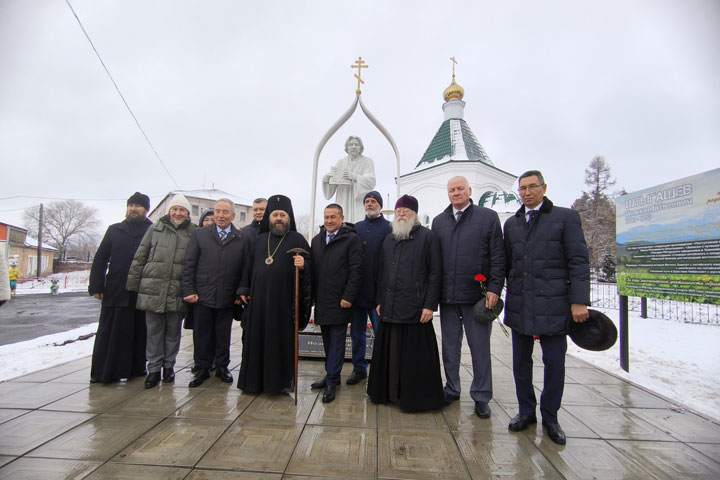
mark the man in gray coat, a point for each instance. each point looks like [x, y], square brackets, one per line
[548, 277]
[471, 244]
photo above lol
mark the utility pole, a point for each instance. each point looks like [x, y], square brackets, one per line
[39, 239]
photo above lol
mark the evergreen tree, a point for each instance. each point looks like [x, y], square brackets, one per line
[608, 266]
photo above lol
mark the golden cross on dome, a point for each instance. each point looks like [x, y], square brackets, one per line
[359, 64]
[454, 62]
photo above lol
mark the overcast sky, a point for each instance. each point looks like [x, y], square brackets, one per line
[238, 94]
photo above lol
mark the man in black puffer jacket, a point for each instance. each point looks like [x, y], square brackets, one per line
[548, 278]
[336, 254]
[471, 243]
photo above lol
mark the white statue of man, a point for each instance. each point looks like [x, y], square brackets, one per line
[350, 179]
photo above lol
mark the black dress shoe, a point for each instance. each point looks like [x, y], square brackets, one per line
[450, 398]
[224, 375]
[355, 377]
[329, 394]
[520, 422]
[555, 432]
[318, 384]
[95, 380]
[201, 375]
[482, 409]
[194, 369]
[152, 379]
[212, 368]
[168, 375]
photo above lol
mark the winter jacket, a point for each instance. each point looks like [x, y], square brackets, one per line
[471, 246]
[13, 273]
[547, 270]
[410, 276]
[214, 269]
[157, 268]
[336, 273]
[113, 258]
[372, 232]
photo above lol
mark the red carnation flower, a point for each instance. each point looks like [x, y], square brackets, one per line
[480, 277]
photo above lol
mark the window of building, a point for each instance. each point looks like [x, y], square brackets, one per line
[242, 216]
[194, 209]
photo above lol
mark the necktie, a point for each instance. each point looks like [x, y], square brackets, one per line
[222, 234]
[457, 216]
[532, 214]
[330, 237]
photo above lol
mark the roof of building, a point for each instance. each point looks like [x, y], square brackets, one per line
[209, 194]
[454, 141]
[13, 227]
[33, 243]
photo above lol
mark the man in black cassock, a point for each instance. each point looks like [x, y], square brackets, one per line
[268, 353]
[119, 350]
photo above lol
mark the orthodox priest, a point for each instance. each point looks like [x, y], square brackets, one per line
[268, 355]
[119, 350]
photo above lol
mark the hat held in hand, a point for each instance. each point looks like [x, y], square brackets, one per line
[597, 333]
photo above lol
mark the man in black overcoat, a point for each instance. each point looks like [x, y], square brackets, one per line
[217, 261]
[548, 285]
[119, 350]
[337, 257]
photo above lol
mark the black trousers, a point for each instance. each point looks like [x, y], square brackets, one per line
[212, 324]
[334, 344]
[553, 356]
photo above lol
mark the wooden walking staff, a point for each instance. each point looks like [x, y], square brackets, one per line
[296, 252]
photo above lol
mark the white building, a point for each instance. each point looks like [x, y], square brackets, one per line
[201, 200]
[456, 151]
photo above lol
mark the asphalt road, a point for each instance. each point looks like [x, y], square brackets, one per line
[26, 317]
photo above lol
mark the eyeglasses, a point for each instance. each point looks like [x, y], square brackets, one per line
[532, 188]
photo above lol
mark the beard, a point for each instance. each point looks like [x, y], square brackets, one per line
[280, 228]
[402, 227]
[135, 217]
[372, 213]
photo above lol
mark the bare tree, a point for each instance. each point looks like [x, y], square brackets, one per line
[63, 222]
[302, 223]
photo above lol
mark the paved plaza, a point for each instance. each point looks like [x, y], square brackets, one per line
[54, 425]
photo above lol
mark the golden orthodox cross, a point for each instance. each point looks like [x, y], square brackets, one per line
[359, 64]
[453, 65]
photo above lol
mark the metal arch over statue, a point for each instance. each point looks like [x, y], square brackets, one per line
[349, 179]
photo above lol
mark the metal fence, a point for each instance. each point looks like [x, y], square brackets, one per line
[605, 295]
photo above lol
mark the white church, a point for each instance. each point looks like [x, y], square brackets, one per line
[452, 152]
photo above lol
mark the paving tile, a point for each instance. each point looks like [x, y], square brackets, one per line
[7, 414]
[669, 460]
[499, 455]
[177, 442]
[572, 426]
[219, 475]
[710, 450]
[46, 469]
[683, 425]
[347, 410]
[628, 396]
[98, 439]
[37, 395]
[584, 458]
[460, 417]
[5, 459]
[262, 447]
[418, 455]
[52, 373]
[279, 408]
[212, 403]
[7, 387]
[96, 398]
[117, 471]
[24, 433]
[389, 416]
[505, 391]
[155, 402]
[617, 424]
[336, 451]
[575, 394]
[591, 376]
[80, 376]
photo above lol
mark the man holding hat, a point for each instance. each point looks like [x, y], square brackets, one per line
[548, 285]
[268, 354]
[155, 274]
[372, 231]
[119, 350]
[405, 364]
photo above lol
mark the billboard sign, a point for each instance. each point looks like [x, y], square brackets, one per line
[668, 240]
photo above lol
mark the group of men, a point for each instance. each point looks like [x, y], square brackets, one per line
[396, 274]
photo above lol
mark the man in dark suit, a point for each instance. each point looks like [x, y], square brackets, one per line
[336, 254]
[548, 285]
[216, 260]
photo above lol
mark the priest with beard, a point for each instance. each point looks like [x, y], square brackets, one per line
[405, 366]
[269, 340]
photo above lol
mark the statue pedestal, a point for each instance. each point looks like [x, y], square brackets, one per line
[310, 343]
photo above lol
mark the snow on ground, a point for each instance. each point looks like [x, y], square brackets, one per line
[32, 355]
[680, 361]
[67, 281]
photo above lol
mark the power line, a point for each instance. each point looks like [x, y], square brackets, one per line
[73, 198]
[122, 97]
